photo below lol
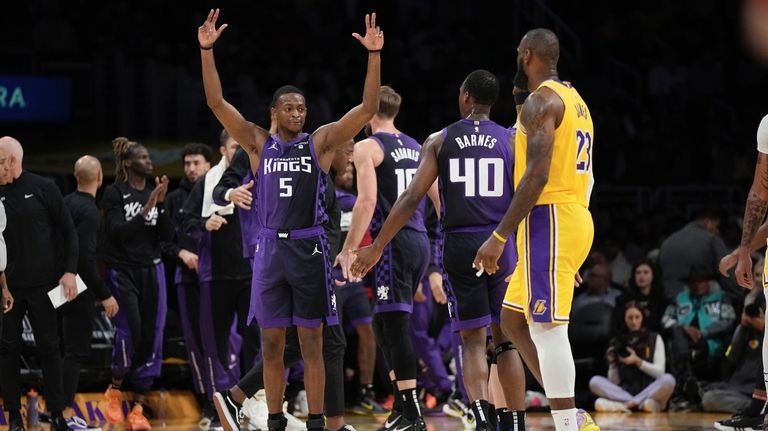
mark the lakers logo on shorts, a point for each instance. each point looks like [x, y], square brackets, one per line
[540, 307]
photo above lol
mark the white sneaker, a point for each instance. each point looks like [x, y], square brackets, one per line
[650, 405]
[606, 405]
[255, 409]
[300, 405]
[294, 423]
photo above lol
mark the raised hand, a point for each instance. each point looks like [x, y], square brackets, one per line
[161, 188]
[207, 34]
[374, 36]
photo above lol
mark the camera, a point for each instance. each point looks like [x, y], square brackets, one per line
[620, 347]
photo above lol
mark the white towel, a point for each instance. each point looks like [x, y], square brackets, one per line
[211, 179]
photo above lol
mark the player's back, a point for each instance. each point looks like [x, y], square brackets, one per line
[570, 174]
[475, 174]
[393, 175]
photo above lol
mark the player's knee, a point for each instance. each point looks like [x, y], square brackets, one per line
[272, 346]
[311, 343]
[474, 339]
[513, 325]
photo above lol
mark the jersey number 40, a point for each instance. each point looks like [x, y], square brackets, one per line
[482, 177]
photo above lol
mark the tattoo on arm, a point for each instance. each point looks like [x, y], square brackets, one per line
[538, 120]
[757, 201]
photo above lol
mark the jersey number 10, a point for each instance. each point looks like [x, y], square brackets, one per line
[404, 177]
[477, 177]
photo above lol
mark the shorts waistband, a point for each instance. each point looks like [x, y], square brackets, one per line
[286, 234]
[470, 229]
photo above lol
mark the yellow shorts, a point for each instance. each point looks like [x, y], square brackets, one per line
[552, 244]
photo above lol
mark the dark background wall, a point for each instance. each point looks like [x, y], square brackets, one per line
[675, 94]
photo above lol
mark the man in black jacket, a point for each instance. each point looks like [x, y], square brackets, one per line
[181, 256]
[37, 219]
[77, 316]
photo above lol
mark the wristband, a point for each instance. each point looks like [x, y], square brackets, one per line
[374, 50]
[206, 49]
[499, 237]
[227, 194]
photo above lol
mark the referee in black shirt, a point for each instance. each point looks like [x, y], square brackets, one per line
[77, 316]
[41, 241]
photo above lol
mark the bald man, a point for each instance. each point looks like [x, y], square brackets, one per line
[77, 316]
[42, 253]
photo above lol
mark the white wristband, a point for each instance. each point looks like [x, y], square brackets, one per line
[226, 195]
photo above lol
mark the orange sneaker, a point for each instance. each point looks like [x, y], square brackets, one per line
[113, 412]
[136, 420]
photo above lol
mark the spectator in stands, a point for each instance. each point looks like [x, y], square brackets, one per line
[636, 368]
[743, 356]
[645, 289]
[698, 244]
[598, 288]
[698, 320]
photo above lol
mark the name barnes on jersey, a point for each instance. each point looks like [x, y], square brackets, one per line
[473, 140]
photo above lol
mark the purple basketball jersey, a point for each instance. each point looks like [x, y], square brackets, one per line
[290, 188]
[475, 167]
[401, 159]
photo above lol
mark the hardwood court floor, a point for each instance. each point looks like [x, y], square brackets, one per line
[538, 422]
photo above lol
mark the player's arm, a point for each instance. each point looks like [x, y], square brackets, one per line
[362, 212]
[538, 118]
[250, 136]
[364, 158]
[754, 215]
[333, 135]
[434, 195]
[404, 207]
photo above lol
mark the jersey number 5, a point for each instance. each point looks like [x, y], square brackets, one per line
[584, 152]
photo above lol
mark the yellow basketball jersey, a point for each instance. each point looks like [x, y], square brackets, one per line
[570, 174]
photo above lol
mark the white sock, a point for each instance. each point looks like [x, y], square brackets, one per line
[565, 420]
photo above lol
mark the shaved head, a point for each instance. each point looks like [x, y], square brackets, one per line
[87, 170]
[14, 154]
[543, 43]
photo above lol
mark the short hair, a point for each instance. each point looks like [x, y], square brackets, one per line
[389, 102]
[544, 43]
[223, 138]
[194, 148]
[483, 86]
[285, 89]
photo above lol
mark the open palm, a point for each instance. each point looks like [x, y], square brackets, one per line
[374, 36]
[207, 34]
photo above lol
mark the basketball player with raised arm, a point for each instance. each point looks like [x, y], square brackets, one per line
[291, 270]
